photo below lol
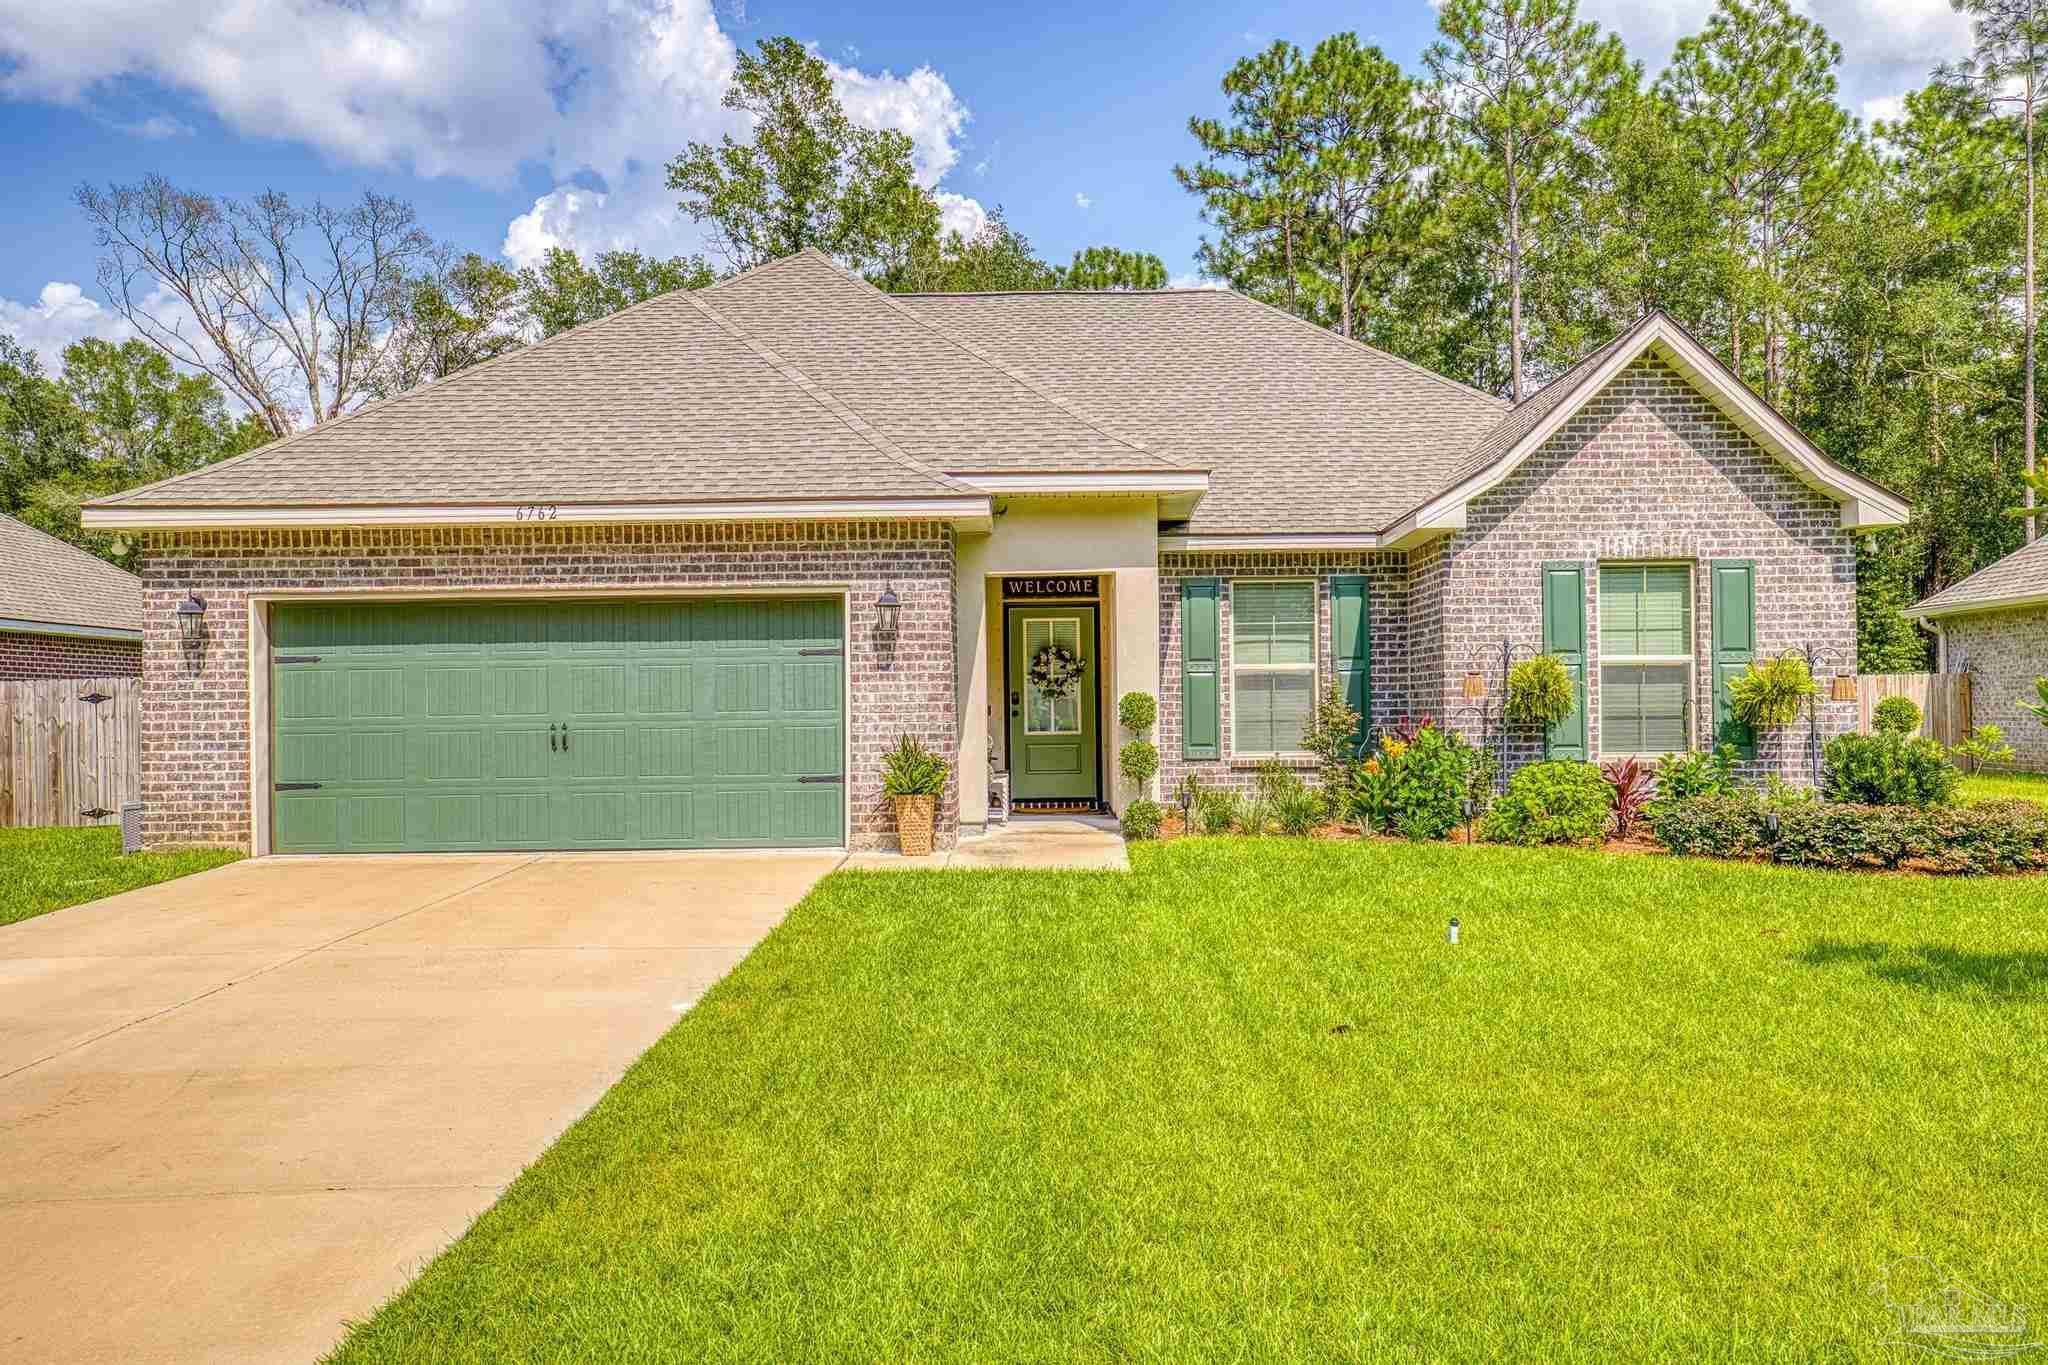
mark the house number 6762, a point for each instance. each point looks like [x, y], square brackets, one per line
[536, 511]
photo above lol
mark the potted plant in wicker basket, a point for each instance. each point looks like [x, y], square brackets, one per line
[913, 776]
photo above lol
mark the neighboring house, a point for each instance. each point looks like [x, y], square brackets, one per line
[1994, 626]
[64, 613]
[681, 576]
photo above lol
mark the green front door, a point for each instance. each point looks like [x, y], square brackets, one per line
[1052, 737]
[674, 723]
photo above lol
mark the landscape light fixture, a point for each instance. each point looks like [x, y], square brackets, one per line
[1453, 936]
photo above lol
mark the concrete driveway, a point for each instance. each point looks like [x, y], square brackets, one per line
[239, 1109]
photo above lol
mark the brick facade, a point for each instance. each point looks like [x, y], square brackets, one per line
[195, 733]
[1647, 469]
[1388, 603]
[2003, 652]
[67, 656]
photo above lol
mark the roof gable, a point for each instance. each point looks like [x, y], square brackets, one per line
[45, 581]
[1518, 435]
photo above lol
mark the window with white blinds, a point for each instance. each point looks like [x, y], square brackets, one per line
[1272, 664]
[1646, 658]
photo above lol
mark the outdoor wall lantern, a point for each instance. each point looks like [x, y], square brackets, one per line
[888, 607]
[192, 620]
[1844, 688]
[1475, 686]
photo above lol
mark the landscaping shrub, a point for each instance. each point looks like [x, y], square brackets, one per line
[1216, 812]
[1888, 770]
[1137, 711]
[1680, 777]
[2037, 709]
[1711, 825]
[1562, 801]
[1896, 716]
[1773, 692]
[1417, 788]
[1989, 836]
[1986, 744]
[1142, 820]
[1839, 835]
[1992, 836]
[1254, 816]
[1298, 812]
[1540, 691]
[1632, 786]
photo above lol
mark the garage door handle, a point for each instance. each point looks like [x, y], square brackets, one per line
[565, 736]
[551, 739]
[840, 778]
[835, 649]
[296, 786]
[297, 659]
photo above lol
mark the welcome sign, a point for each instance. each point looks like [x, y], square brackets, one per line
[1063, 585]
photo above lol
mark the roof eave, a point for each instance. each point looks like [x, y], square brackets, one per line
[966, 511]
[1196, 542]
[1932, 611]
[16, 626]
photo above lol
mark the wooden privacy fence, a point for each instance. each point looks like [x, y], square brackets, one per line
[62, 755]
[1943, 699]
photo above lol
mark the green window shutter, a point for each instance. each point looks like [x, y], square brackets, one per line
[1564, 634]
[1351, 647]
[1734, 647]
[1201, 723]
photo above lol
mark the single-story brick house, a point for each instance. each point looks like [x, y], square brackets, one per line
[681, 576]
[1994, 626]
[64, 613]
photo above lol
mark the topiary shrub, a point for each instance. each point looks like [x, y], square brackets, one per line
[1142, 820]
[1896, 716]
[1540, 692]
[1888, 770]
[1137, 711]
[1138, 761]
[1773, 692]
[1562, 801]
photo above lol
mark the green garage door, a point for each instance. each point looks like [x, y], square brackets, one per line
[594, 724]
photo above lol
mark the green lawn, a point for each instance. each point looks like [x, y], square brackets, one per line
[48, 869]
[1990, 786]
[1248, 1104]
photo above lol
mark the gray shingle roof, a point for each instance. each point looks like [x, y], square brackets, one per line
[950, 402]
[665, 401]
[2021, 574]
[45, 580]
[1300, 429]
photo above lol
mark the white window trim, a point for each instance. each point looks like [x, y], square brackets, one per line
[1313, 667]
[1690, 662]
[1079, 724]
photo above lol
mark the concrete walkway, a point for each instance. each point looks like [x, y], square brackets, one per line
[243, 1107]
[1026, 842]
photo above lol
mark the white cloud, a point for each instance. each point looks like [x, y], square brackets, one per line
[958, 213]
[1081, 201]
[157, 127]
[1890, 108]
[1887, 45]
[603, 89]
[61, 314]
[1193, 281]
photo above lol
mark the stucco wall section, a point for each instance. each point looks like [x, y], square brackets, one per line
[2003, 652]
[1389, 604]
[1649, 469]
[67, 656]
[196, 741]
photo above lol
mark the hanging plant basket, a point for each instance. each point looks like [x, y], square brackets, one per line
[1055, 671]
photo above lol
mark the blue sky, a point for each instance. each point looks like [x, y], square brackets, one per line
[516, 124]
